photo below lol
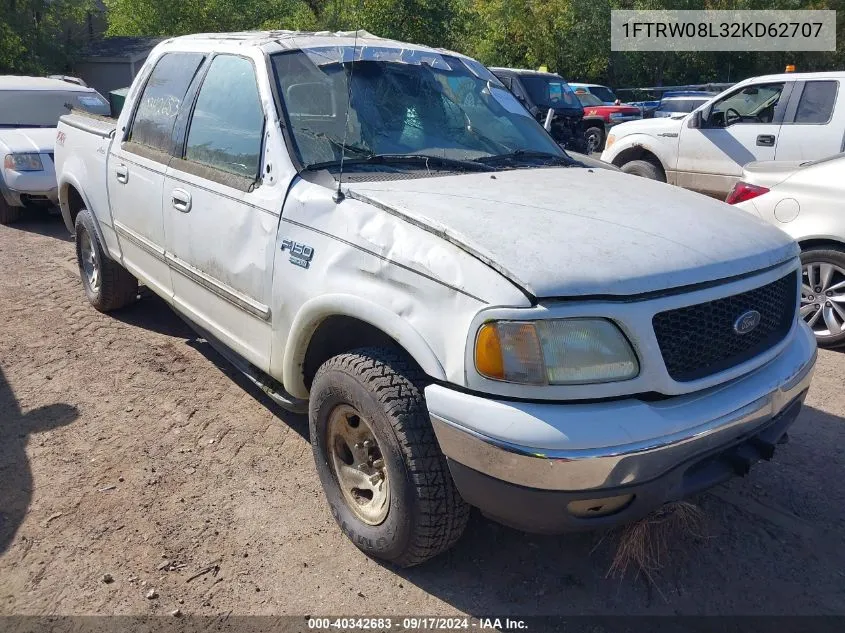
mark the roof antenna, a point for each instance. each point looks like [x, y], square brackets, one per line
[338, 196]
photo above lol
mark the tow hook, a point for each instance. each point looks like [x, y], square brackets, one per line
[740, 459]
[766, 449]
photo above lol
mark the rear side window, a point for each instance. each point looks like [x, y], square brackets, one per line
[162, 97]
[816, 103]
[228, 120]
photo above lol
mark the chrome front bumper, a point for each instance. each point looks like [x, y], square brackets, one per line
[605, 445]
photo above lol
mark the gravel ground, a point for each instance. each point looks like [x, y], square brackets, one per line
[140, 474]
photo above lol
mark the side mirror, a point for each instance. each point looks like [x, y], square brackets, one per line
[695, 120]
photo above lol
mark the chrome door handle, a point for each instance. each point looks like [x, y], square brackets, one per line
[181, 200]
[122, 173]
[766, 140]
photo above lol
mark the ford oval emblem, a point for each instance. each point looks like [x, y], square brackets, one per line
[746, 322]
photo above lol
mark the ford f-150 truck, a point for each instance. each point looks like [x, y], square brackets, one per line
[381, 234]
[788, 117]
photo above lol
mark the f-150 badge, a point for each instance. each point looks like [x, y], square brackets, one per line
[300, 254]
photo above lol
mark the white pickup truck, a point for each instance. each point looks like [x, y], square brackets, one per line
[381, 233]
[788, 117]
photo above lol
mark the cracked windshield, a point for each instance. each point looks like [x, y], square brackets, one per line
[420, 110]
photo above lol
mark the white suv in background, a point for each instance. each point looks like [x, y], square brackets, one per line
[30, 108]
[778, 117]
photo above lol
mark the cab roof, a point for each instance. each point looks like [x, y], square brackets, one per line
[836, 74]
[275, 41]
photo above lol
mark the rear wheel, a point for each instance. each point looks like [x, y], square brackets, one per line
[387, 482]
[8, 214]
[645, 169]
[107, 284]
[823, 294]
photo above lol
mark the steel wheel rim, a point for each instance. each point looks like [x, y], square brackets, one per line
[592, 143]
[88, 259]
[823, 298]
[356, 461]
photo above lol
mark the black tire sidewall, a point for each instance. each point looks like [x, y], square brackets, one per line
[84, 224]
[642, 168]
[828, 256]
[390, 539]
[599, 134]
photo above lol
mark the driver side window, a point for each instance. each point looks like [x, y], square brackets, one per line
[751, 104]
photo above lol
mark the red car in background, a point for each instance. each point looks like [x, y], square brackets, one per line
[599, 118]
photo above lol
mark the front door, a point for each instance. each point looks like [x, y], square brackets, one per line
[137, 167]
[220, 218]
[741, 127]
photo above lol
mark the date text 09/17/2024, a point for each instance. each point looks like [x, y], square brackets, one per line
[416, 624]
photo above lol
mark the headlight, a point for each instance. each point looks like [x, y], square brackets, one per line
[23, 162]
[554, 352]
[611, 139]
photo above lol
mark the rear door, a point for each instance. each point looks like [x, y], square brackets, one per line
[220, 217]
[814, 125]
[741, 127]
[137, 166]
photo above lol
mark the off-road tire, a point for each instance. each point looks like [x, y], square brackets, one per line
[426, 514]
[117, 287]
[830, 256]
[597, 134]
[645, 169]
[8, 214]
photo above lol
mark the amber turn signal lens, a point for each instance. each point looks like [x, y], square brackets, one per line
[488, 352]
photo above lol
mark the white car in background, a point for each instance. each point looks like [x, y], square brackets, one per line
[806, 201]
[679, 106]
[30, 108]
[604, 93]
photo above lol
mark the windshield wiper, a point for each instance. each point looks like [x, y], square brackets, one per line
[421, 160]
[529, 154]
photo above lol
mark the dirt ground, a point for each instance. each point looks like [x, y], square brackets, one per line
[129, 448]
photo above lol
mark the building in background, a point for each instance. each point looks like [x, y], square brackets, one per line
[113, 62]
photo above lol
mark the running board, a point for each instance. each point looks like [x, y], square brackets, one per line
[269, 385]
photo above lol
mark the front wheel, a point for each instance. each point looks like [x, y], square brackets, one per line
[387, 482]
[8, 214]
[823, 294]
[645, 169]
[594, 140]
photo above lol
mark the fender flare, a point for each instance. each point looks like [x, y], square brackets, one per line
[648, 143]
[69, 180]
[313, 312]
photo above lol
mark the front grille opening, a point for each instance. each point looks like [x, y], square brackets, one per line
[700, 340]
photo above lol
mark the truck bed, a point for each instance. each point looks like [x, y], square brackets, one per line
[82, 145]
[92, 123]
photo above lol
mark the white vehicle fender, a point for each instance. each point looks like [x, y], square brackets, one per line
[313, 312]
[69, 180]
[644, 141]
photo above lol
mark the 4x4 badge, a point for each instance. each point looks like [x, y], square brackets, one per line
[300, 254]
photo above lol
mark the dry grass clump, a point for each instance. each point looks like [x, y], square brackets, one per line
[644, 545]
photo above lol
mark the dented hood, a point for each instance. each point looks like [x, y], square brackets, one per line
[560, 232]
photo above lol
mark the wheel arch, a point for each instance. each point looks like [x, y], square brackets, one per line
[72, 200]
[335, 324]
[821, 242]
[638, 152]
